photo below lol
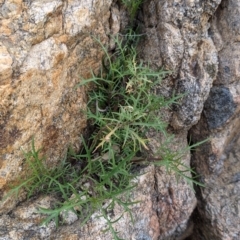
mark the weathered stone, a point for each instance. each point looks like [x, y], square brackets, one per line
[5, 64]
[203, 49]
[174, 201]
[45, 46]
[160, 213]
[219, 107]
[178, 30]
[217, 162]
[24, 222]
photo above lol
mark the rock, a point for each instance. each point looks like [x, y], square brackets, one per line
[217, 215]
[219, 107]
[5, 64]
[68, 217]
[46, 48]
[145, 219]
[160, 213]
[162, 210]
[175, 199]
[25, 221]
[217, 162]
[177, 37]
[180, 37]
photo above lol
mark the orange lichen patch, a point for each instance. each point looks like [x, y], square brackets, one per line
[5, 63]
[2, 182]
[19, 2]
[55, 77]
[40, 101]
[4, 82]
[66, 117]
[154, 227]
[8, 137]
[6, 185]
[50, 137]
[15, 9]
[53, 25]
[59, 57]
[62, 39]
[5, 26]
[29, 74]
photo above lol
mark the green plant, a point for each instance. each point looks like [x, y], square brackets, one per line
[82, 190]
[132, 7]
[122, 107]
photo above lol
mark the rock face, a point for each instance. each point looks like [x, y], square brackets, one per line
[46, 45]
[162, 213]
[218, 161]
[177, 37]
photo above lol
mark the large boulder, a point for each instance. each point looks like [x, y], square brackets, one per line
[176, 37]
[217, 162]
[46, 47]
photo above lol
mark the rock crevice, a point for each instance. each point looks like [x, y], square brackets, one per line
[45, 45]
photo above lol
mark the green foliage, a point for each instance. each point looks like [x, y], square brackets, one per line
[82, 190]
[128, 110]
[122, 107]
[132, 7]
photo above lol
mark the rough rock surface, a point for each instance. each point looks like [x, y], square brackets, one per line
[45, 46]
[217, 162]
[177, 38]
[162, 213]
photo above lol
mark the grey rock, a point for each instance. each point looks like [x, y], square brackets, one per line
[217, 162]
[177, 37]
[219, 107]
